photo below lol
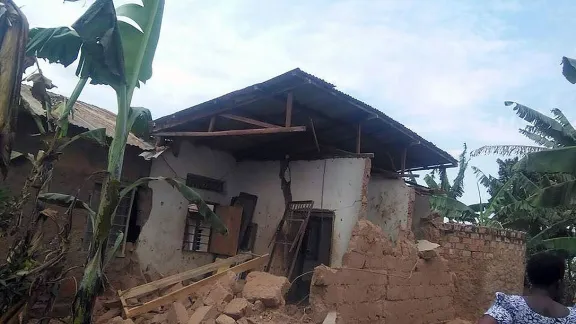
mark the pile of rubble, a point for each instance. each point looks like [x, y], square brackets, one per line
[259, 299]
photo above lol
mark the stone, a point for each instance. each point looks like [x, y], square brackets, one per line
[218, 295]
[177, 314]
[202, 314]
[242, 321]
[237, 308]
[116, 320]
[225, 319]
[104, 318]
[197, 304]
[159, 318]
[256, 308]
[268, 288]
[330, 318]
[238, 286]
[128, 321]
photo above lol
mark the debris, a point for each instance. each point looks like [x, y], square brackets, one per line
[218, 295]
[237, 308]
[268, 288]
[177, 314]
[458, 321]
[225, 319]
[202, 314]
[330, 318]
[104, 318]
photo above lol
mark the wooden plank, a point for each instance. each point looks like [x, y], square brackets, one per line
[179, 277]
[212, 122]
[289, 102]
[237, 132]
[358, 138]
[249, 121]
[188, 290]
[227, 244]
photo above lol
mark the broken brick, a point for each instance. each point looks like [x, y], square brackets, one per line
[177, 314]
[236, 308]
[225, 319]
[202, 314]
[268, 288]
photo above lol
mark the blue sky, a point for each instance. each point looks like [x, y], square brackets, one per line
[442, 68]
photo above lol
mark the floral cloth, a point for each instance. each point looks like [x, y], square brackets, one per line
[514, 310]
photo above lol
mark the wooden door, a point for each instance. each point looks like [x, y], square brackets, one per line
[227, 244]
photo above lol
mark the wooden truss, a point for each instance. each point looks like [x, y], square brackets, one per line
[265, 128]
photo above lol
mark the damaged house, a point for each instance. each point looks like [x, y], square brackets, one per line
[294, 141]
[76, 168]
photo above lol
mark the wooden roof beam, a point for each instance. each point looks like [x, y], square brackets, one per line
[236, 132]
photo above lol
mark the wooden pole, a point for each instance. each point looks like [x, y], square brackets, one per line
[289, 109]
[212, 122]
[358, 138]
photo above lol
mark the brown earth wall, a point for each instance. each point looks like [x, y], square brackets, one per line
[382, 282]
[73, 167]
[484, 261]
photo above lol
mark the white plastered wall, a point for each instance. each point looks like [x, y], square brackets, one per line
[333, 184]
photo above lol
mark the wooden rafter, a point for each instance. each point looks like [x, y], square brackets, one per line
[249, 121]
[358, 138]
[212, 122]
[235, 132]
[289, 103]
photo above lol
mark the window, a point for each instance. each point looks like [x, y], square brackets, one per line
[205, 183]
[119, 223]
[197, 232]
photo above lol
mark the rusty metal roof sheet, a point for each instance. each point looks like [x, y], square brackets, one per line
[86, 116]
[335, 118]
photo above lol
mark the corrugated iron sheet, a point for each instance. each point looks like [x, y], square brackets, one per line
[86, 116]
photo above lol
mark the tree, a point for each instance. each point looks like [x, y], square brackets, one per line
[558, 167]
[114, 53]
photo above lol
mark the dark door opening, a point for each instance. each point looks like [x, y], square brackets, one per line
[315, 250]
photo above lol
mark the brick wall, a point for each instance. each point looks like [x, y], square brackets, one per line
[483, 260]
[383, 282]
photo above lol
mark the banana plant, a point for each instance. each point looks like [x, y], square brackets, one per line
[13, 38]
[118, 54]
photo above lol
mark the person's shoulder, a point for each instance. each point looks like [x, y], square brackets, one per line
[508, 301]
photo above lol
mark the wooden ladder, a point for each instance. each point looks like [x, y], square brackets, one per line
[296, 215]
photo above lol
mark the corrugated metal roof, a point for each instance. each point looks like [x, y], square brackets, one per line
[335, 116]
[381, 115]
[86, 116]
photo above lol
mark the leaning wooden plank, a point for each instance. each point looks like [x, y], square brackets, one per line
[179, 277]
[188, 290]
[257, 131]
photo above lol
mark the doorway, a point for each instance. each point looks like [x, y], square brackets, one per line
[316, 250]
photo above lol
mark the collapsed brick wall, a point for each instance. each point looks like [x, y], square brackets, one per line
[484, 261]
[383, 282]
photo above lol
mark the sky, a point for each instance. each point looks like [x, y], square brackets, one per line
[443, 68]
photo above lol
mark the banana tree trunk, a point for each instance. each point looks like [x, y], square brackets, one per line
[92, 281]
[13, 38]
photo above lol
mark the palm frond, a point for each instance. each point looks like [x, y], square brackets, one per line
[431, 181]
[486, 180]
[537, 138]
[561, 118]
[444, 182]
[457, 189]
[547, 125]
[507, 150]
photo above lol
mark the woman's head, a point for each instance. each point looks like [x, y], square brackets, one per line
[545, 270]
